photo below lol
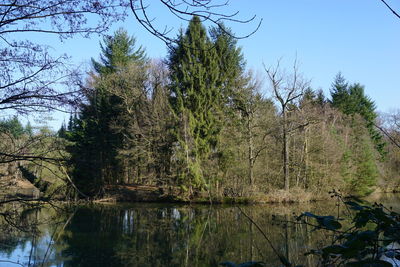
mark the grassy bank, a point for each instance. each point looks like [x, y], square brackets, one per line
[154, 194]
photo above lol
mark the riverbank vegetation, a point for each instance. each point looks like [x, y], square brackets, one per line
[200, 126]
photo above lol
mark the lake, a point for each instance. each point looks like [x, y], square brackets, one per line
[144, 234]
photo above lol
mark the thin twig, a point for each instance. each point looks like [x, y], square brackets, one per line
[391, 9]
[282, 258]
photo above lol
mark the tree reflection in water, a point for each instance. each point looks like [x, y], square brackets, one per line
[161, 235]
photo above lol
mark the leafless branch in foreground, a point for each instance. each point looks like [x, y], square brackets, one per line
[206, 10]
[391, 9]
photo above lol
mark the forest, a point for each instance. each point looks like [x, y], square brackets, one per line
[197, 125]
[200, 125]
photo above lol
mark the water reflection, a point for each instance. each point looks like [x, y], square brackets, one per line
[161, 235]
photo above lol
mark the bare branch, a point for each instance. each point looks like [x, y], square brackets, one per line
[391, 9]
[388, 135]
[184, 10]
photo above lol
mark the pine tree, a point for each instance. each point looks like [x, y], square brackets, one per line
[62, 132]
[96, 143]
[230, 60]
[195, 99]
[12, 126]
[339, 93]
[351, 100]
[232, 82]
[118, 51]
[321, 98]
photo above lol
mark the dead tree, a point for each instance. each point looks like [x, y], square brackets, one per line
[286, 88]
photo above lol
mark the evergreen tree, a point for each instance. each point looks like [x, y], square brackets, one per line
[12, 126]
[339, 93]
[62, 132]
[321, 100]
[85, 151]
[232, 82]
[230, 61]
[358, 165]
[195, 99]
[313, 98]
[351, 100]
[118, 51]
[308, 98]
[96, 143]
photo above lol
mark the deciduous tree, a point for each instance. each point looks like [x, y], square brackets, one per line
[286, 89]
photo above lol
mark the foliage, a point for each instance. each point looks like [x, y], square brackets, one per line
[196, 100]
[230, 61]
[95, 149]
[37, 156]
[359, 165]
[201, 123]
[14, 127]
[117, 52]
[351, 99]
[198, 125]
[370, 239]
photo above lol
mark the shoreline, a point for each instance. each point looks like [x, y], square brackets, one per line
[152, 194]
[129, 194]
[149, 194]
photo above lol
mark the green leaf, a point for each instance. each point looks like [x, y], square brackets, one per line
[329, 222]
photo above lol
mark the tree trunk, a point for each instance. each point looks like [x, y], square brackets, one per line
[306, 158]
[285, 151]
[251, 152]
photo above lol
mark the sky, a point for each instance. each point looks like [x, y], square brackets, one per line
[359, 38]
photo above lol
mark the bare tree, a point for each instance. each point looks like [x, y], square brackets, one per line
[30, 77]
[391, 128]
[286, 89]
[248, 100]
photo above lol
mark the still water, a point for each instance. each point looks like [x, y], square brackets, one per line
[163, 235]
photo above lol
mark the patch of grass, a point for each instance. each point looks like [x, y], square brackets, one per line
[294, 195]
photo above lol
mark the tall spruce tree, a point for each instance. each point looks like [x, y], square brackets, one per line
[118, 51]
[195, 99]
[96, 144]
[339, 93]
[351, 100]
[232, 82]
[230, 61]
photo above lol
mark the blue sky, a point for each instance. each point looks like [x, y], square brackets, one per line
[360, 38]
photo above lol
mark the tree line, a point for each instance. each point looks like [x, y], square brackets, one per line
[229, 139]
[197, 122]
